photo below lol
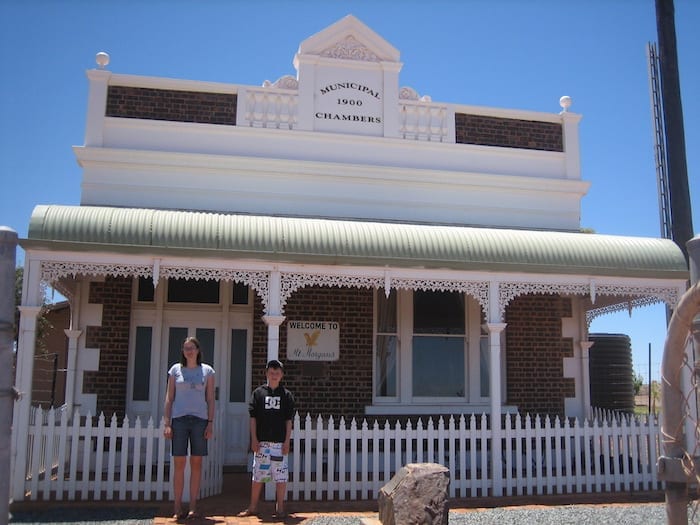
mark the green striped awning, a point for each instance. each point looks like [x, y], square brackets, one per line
[346, 242]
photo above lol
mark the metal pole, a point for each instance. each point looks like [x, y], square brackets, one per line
[679, 192]
[53, 381]
[673, 465]
[8, 253]
[649, 385]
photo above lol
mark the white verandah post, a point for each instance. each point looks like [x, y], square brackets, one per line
[274, 318]
[71, 368]
[586, 376]
[29, 312]
[495, 328]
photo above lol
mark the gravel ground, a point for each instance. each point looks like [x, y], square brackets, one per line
[634, 514]
[637, 514]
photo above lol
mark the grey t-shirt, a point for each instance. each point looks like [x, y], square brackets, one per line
[190, 398]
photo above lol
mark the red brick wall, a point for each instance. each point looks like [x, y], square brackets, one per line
[172, 105]
[342, 387]
[506, 132]
[535, 351]
[112, 338]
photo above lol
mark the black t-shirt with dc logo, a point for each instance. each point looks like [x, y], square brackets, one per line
[271, 408]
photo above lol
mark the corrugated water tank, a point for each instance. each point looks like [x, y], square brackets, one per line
[611, 372]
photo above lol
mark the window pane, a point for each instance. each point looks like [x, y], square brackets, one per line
[239, 355]
[386, 366]
[438, 312]
[240, 293]
[484, 359]
[484, 367]
[193, 291]
[146, 292]
[386, 312]
[438, 366]
[142, 363]
[205, 336]
[176, 336]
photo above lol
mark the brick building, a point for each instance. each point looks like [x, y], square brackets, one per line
[403, 257]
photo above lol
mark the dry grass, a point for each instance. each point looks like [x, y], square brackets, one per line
[641, 402]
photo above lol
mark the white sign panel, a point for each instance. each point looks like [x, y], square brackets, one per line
[313, 340]
[348, 101]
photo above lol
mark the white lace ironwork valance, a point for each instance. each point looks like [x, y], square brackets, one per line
[55, 274]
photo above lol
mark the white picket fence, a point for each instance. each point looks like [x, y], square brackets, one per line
[539, 456]
[83, 458]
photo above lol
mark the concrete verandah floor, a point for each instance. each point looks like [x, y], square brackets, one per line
[223, 508]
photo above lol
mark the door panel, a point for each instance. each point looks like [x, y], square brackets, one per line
[236, 420]
[144, 373]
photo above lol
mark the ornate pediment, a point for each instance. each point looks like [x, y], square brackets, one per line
[348, 39]
[350, 49]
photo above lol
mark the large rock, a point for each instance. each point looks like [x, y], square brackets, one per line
[416, 495]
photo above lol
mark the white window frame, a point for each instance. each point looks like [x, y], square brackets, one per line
[404, 401]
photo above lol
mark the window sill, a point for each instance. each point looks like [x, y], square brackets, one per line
[401, 410]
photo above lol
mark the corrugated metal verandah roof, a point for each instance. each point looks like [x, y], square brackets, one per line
[345, 242]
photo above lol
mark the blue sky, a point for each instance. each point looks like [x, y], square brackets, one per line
[500, 53]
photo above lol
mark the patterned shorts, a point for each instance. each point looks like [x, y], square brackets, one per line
[269, 464]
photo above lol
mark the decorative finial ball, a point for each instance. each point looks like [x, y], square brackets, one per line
[565, 102]
[102, 59]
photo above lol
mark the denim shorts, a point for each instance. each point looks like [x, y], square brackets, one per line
[189, 430]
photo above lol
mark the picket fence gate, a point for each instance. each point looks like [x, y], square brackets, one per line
[83, 458]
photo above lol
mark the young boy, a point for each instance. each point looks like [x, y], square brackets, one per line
[271, 411]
